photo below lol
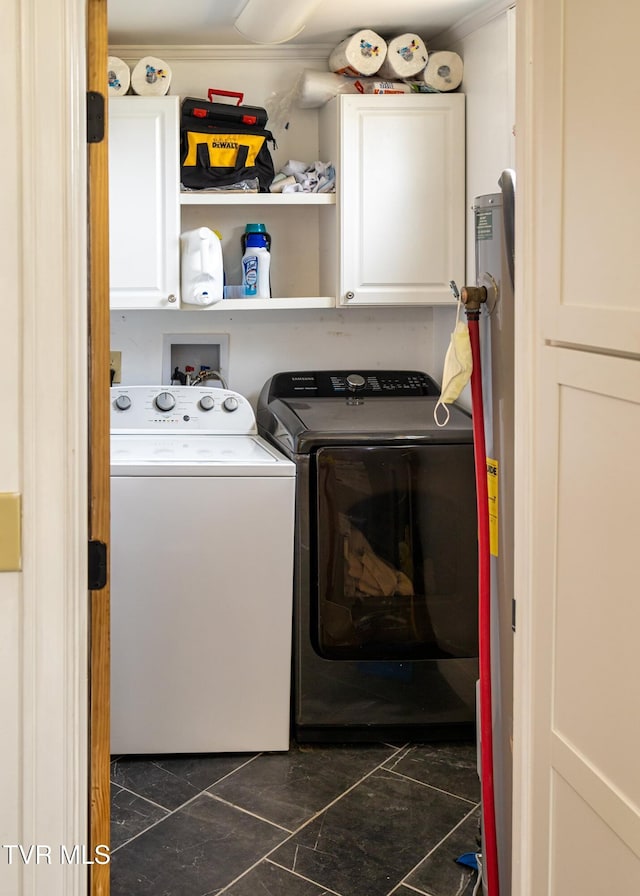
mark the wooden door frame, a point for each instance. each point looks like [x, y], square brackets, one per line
[99, 438]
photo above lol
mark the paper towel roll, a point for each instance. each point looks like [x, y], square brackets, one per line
[443, 71]
[315, 88]
[151, 77]
[118, 76]
[406, 56]
[361, 54]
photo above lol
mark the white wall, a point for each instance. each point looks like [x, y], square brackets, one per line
[488, 54]
[489, 76]
[264, 342]
[10, 474]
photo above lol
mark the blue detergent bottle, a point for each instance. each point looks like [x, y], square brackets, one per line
[255, 267]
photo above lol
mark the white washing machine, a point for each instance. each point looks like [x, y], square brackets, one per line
[202, 516]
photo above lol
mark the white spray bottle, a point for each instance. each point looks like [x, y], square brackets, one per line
[202, 270]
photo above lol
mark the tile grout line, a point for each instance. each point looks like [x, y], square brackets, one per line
[140, 797]
[415, 889]
[433, 849]
[308, 821]
[302, 877]
[219, 799]
[457, 796]
[171, 812]
[160, 820]
[228, 775]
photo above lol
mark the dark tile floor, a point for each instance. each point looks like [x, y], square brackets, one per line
[356, 820]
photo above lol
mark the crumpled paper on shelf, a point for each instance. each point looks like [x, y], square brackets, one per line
[300, 177]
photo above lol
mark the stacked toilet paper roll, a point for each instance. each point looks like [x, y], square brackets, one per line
[151, 77]
[118, 76]
[361, 54]
[406, 57]
[443, 71]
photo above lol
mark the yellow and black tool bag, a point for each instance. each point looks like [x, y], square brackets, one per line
[222, 145]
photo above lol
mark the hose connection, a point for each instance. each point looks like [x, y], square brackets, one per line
[471, 297]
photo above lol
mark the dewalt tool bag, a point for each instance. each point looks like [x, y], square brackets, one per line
[224, 145]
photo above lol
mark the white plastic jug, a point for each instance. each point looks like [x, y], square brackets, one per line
[202, 270]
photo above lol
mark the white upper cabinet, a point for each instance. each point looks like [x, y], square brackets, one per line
[144, 206]
[401, 196]
[393, 234]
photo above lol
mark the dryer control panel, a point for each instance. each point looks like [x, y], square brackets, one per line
[202, 409]
[368, 383]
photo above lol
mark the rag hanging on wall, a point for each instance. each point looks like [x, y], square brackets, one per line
[458, 366]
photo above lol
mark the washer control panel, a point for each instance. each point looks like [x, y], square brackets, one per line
[204, 409]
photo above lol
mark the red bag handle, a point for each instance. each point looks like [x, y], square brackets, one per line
[212, 92]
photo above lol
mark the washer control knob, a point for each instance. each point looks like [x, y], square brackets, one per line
[206, 403]
[123, 402]
[165, 401]
[231, 403]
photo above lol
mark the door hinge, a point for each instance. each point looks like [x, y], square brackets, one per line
[97, 565]
[513, 614]
[95, 117]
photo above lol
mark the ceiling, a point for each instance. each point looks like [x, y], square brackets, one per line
[198, 22]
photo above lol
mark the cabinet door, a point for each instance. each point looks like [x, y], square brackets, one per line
[143, 202]
[402, 196]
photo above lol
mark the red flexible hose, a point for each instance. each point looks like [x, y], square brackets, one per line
[484, 614]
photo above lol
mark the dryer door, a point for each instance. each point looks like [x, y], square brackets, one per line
[396, 553]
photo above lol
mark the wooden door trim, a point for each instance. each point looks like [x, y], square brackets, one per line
[99, 477]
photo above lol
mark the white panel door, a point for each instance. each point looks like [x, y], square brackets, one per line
[588, 122]
[583, 625]
[577, 663]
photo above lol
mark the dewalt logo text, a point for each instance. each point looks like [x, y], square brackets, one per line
[223, 150]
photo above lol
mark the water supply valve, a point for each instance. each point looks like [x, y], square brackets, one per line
[472, 297]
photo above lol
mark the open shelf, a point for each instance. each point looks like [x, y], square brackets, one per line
[295, 222]
[214, 197]
[274, 304]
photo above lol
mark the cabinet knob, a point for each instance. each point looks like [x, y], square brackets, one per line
[171, 298]
[349, 295]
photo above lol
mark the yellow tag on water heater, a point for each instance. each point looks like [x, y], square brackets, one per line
[492, 491]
